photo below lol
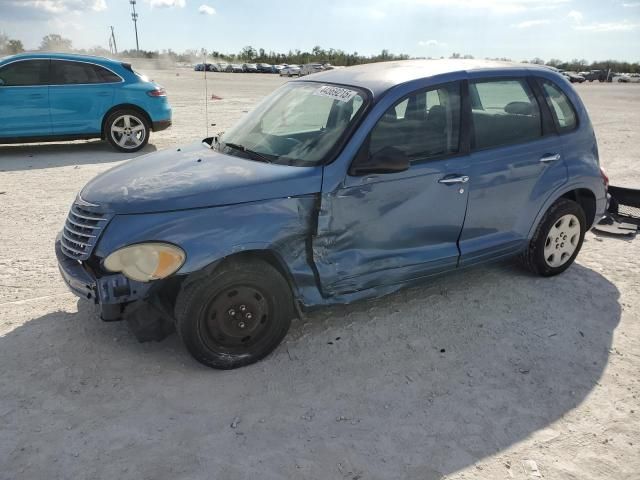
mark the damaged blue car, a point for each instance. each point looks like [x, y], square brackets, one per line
[349, 184]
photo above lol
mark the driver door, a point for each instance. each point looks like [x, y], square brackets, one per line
[24, 99]
[386, 228]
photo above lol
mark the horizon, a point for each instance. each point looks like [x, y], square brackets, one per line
[516, 29]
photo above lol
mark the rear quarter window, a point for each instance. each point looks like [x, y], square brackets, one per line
[563, 110]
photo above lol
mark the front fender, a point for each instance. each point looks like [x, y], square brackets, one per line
[207, 235]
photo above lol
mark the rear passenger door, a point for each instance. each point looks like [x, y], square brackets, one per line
[80, 95]
[515, 164]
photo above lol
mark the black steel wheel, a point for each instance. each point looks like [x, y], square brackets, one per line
[235, 316]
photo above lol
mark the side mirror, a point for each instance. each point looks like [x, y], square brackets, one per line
[1, 82]
[387, 160]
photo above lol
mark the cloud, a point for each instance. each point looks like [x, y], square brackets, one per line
[58, 6]
[167, 3]
[496, 6]
[375, 13]
[44, 10]
[576, 16]
[623, 26]
[431, 43]
[206, 10]
[631, 5]
[531, 23]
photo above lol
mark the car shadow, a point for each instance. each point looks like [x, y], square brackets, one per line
[415, 385]
[51, 155]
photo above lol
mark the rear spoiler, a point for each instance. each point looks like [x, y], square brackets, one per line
[128, 66]
[623, 214]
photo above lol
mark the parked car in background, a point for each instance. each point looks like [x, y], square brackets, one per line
[277, 68]
[209, 67]
[573, 77]
[599, 75]
[265, 68]
[310, 68]
[346, 185]
[250, 68]
[290, 71]
[55, 96]
[234, 68]
[222, 66]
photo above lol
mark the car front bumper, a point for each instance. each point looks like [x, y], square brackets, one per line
[111, 292]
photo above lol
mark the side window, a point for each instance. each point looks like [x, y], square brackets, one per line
[25, 73]
[79, 73]
[562, 108]
[504, 112]
[107, 76]
[424, 125]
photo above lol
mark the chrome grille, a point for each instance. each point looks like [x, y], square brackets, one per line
[81, 231]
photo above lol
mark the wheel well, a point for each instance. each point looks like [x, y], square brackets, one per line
[587, 200]
[268, 256]
[123, 106]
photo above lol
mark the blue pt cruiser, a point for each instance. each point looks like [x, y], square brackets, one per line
[344, 185]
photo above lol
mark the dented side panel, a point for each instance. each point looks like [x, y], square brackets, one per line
[388, 229]
[282, 226]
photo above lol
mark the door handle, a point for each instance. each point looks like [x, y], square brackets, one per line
[550, 158]
[36, 95]
[454, 179]
[103, 94]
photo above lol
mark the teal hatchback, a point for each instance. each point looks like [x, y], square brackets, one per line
[53, 97]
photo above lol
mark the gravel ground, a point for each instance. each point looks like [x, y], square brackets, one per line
[484, 374]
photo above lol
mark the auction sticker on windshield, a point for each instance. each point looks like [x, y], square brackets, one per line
[337, 93]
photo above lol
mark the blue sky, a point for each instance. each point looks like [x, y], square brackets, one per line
[518, 29]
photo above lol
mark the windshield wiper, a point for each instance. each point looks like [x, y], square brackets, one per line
[252, 153]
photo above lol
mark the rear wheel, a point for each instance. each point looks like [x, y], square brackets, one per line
[236, 316]
[557, 240]
[127, 130]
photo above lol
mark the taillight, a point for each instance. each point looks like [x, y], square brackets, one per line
[158, 92]
[604, 177]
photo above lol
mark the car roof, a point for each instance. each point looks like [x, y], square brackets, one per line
[60, 56]
[380, 77]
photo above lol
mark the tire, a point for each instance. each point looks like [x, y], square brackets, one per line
[127, 130]
[235, 316]
[557, 239]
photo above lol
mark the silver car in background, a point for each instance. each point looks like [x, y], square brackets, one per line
[290, 71]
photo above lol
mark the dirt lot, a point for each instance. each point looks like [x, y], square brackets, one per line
[490, 373]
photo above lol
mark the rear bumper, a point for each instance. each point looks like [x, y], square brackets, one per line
[161, 125]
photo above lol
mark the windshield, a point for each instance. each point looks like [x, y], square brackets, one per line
[298, 124]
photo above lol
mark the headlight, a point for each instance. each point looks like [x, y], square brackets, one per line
[144, 262]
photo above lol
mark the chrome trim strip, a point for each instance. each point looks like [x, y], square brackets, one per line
[74, 241]
[96, 219]
[69, 229]
[92, 227]
[73, 250]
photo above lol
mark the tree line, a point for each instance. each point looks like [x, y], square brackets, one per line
[249, 54]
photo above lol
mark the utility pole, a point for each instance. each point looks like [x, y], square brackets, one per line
[134, 17]
[113, 40]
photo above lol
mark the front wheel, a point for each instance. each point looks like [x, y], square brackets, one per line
[235, 316]
[127, 130]
[557, 240]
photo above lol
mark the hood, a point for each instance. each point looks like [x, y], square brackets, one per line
[195, 177]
